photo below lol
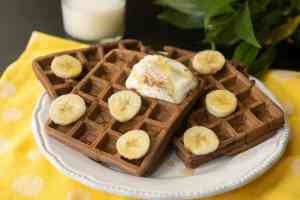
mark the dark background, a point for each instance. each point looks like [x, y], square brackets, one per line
[19, 18]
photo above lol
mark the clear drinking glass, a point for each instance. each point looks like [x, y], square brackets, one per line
[94, 20]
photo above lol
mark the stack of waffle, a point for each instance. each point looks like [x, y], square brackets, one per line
[105, 70]
[255, 120]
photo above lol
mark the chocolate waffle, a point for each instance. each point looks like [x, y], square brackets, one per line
[89, 57]
[255, 120]
[97, 132]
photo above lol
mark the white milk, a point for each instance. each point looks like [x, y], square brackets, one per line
[93, 19]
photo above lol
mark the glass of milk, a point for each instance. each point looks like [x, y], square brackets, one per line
[94, 20]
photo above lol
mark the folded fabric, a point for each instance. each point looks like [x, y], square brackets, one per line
[26, 174]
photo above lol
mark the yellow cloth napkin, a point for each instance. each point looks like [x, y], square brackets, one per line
[26, 174]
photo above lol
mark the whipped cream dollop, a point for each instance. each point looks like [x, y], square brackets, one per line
[162, 78]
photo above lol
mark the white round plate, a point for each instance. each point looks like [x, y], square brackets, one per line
[172, 180]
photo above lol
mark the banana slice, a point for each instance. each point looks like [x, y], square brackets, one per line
[133, 144]
[66, 66]
[208, 61]
[221, 103]
[200, 140]
[124, 105]
[67, 109]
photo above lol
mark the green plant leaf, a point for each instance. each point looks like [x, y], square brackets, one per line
[245, 53]
[208, 8]
[243, 26]
[181, 20]
[283, 31]
[185, 6]
[220, 31]
[216, 7]
[263, 62]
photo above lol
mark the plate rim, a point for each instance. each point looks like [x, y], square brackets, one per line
[249, 176]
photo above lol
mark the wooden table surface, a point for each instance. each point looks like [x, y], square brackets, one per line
[19, 18]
